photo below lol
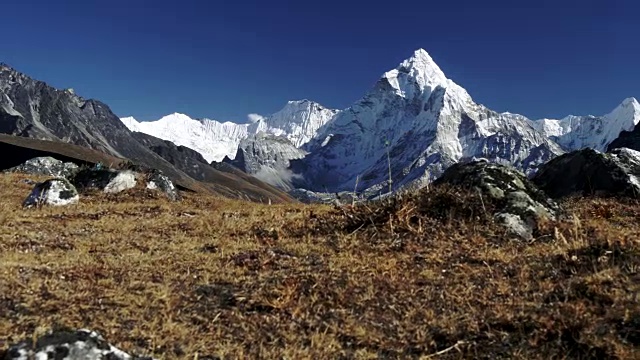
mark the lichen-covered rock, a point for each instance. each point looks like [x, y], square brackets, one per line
[114, 181]
[590, 172]
[521, 205]
[107, 180]
[157, 180]
[56, 192]
[46, 166]
[69, 345]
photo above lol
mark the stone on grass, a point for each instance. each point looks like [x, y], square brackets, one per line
[521, 205]
[46, 165]
[69, 345]
[56, 192]
[156, 180]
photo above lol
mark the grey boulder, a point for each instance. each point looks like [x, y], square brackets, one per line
[56, 192]
[69, 345]
[520, 204]
[46, 166]
[156, 180]
[590, 172]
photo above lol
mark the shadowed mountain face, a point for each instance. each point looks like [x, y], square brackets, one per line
[628, 139]
[31, 108]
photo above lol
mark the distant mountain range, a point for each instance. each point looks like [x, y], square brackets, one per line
[298, 121]
[56, 119]
[414, 123]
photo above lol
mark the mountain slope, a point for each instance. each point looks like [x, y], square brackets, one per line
[267, 157]
[31, 108]
[298, 121]
[417, 122]
[629, 139]
[234, 184]
[596, 132]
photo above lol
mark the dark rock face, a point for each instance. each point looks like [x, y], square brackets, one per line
[46, 166]
[190, 161]
[31, 108]
[589, 172]
[521, 204]
[56, 192]
[627, 139]
[69, 345]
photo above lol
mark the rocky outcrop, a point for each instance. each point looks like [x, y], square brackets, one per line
[589, 172]
[46, 166]
[157, 180]
[112, 181]
[56, 192]
[68, 345]
[98, 177]
[520, 204]
[106, 180]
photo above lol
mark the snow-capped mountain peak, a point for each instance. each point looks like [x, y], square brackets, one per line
[417, 122]
[415, 75]
[628, 109]
[596, 132]
[413, 124]
[298, 121]
[131, 123]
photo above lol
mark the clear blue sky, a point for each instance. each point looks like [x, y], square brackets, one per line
[225, 59]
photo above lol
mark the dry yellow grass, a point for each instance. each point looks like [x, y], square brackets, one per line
[425, 277]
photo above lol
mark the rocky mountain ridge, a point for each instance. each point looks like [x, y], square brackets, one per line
[32, 109]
